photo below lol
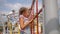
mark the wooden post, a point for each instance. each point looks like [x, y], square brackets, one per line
[18, 30]
[10, 28]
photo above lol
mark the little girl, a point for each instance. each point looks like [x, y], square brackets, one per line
[24, 21]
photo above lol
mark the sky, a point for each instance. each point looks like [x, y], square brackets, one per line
[8, 5]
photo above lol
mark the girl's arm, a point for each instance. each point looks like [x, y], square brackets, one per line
[22, 20]
[22, 23]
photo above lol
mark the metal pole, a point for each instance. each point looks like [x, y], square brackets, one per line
[51, 24]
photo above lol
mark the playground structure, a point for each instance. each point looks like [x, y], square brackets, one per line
[8, 27]
[50, 25]
[34, 28]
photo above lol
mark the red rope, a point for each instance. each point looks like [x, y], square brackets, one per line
[32, 24]
[32, 8]
[37, 15]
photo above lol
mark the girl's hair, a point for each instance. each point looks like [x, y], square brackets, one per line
[22, 9]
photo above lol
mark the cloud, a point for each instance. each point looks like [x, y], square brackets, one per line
[16, 6]
[13, 6]
[2, 12]
[5, 12]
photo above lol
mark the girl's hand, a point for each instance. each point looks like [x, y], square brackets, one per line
[31, 20]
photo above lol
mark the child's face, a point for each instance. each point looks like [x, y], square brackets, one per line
[27, 13]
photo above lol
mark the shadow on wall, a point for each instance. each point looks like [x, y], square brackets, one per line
[52, 27]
